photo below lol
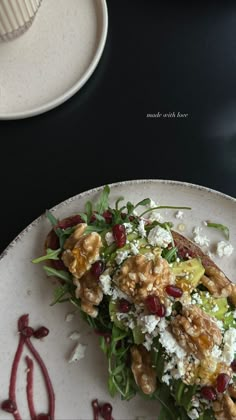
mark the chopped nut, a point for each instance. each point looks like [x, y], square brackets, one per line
[195, 331]
[81, 251]
[144, 373]
[217, 283]
[224, 408]
[140, 277]
[90, 292]
[232, 390]
[75, 236]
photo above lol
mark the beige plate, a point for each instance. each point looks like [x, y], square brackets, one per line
[53, 59]
[25, 289]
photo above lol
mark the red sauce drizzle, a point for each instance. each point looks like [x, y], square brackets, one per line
[10, 405]
[104, 410]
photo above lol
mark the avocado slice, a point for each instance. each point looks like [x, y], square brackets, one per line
[188, 272]
[113, 311]
[216, 307]
[138, 336]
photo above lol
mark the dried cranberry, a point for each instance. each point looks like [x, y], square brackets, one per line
[69, 222]
[27, 332]
[53, 240]
[98, 268]
[153, 303]
[106, 411]
[119, 235]
[41, 332]
[208, 393]
[233, 365]
[107, 216]
[174, 291]
[9, 406]
[222, 382]
[124, 306]
[58, 264]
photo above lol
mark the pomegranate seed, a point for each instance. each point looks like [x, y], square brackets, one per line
[97, 268]
[174, 291]
[27, 332]
[107, 216]
[41, 332]
[208, 393]
[69, 222]
[9, 406]
[161, 311]
[106, 410]
[124, 306]
[119, 235]
[222, 382]
[153, 303]
[233, 365]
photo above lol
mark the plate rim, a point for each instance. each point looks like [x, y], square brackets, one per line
[83, 194]
[49, 105]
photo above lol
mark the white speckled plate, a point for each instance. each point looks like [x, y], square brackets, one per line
[53, 59]
[25, 289]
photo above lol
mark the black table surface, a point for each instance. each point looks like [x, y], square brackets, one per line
[160, 62]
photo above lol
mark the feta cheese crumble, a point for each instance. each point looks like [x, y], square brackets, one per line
[196, 298]
[159, 236]
[109, 238]
[200, 239]
[148, 323]
[141, 228]
[224, 249]
[179, 214]
[69, 316]
[193, 414]
[134, 248]
[229, 346]
[105, 281]
[128, 227]
[78, 353]
[121, 256]
[74, 336]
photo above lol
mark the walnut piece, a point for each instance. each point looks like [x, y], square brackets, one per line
[140, 277]
[144, 373]
[81, 250]
[216, 282]
[90, 292]
[195, 331]
[224, 408]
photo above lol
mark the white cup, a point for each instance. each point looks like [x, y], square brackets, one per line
[16, 16]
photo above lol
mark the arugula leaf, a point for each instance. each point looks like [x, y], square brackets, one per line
[145, 202]
[52, 219]
[164, 207]
[89, 210]
[170, 254]
[84, 217]
[61, 274]
[219, 226]
[103, 203]
[59, 293]
[51, 254]
[99, 218]
[117, 202]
